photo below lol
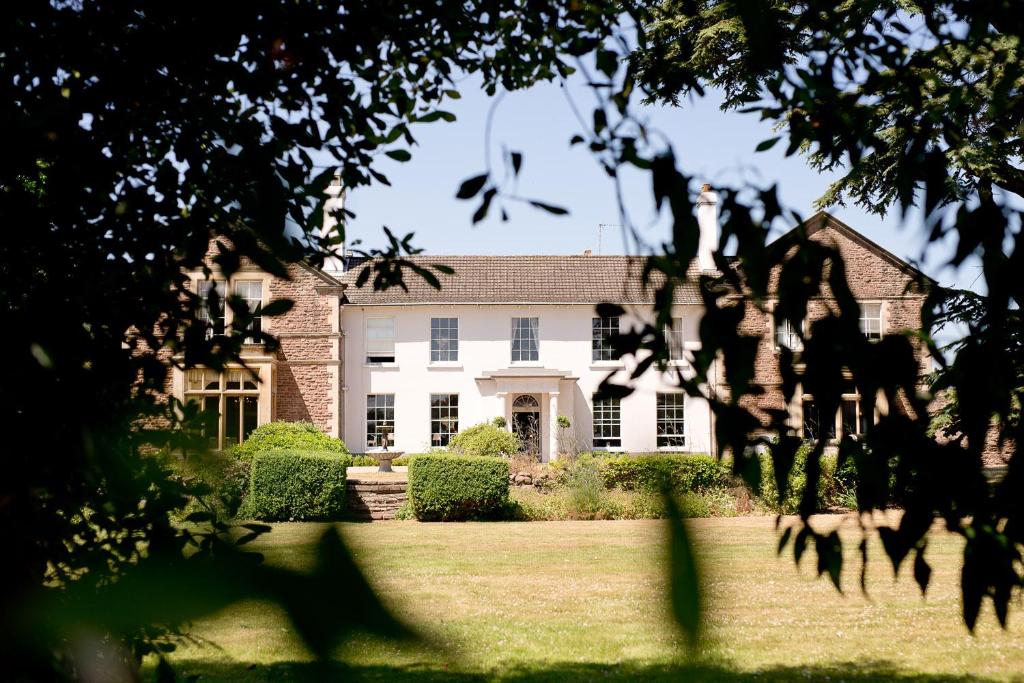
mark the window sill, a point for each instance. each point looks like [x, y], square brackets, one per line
[444, 366]
[607, 365]
[381, 366]
[672, 449]
[525, 364]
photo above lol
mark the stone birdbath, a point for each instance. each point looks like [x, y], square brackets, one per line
[384, 456]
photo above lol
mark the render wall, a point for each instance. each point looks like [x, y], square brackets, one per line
[485, 345]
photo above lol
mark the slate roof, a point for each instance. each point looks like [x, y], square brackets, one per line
[522, 280]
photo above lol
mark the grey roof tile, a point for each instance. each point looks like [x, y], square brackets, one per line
[522, 280]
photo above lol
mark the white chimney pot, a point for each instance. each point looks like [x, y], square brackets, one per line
[707, 221]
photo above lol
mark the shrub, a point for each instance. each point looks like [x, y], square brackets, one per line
[290, 435]
[443, 487]
[499, 422]
[364, 461]
[484, 440]
[680, 473]
[829, 489]
[297, 485]
[226, 479]
[586, 488]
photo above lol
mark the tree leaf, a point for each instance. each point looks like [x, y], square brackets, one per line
[471, 186]
[767, 144]
[684, 579]
[556, 210]
[399, 154]
[278, 307]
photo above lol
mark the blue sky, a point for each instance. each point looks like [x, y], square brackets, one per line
[715, 147]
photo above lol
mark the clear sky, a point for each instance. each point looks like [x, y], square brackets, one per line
[716, 147]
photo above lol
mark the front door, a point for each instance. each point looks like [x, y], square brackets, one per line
[526, 426]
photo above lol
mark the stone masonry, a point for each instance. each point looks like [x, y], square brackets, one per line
[374, 499]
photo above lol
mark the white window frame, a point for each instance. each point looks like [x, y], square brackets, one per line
[394, 343]
[458, 332]
[658, 420]
[443, 418]
[778, 324]
[535, 333]
[675, 341]
[599, 333]
[377, 423]
[868, 319]
[204, 309]
[615, 424]
[256, 319]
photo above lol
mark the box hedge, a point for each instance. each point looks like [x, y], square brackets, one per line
[303, 436]
[448, 488]
[297, 485]
[680, 473]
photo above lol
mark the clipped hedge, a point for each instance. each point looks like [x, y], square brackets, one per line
[450, 488]
[289, 435]
[680, 473]
[297, 485]
[835, 488]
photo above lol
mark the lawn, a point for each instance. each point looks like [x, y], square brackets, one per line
[584, 600]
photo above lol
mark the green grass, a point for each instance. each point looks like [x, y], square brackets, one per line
[585, 600]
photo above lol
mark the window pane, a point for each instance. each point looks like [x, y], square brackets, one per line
[671, 420]
[607, 423]
[380, 340]
[250, 415]
[603, 328]
[234, 380]
[232, 420]
[851, 410]
[380, 420]
[816, 424]
[871, 320]
[252, 292]
[444, 418]
[211, 405]
[525, 346]
[444, 339]
[211, 307]
[674, 339]
[786, 336]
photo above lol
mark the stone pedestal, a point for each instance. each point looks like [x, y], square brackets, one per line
[384, 459]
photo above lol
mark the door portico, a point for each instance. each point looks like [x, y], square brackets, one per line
[543, 386]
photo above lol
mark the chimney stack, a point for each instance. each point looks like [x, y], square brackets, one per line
[588, 252]
[333, 205]
[707, 221]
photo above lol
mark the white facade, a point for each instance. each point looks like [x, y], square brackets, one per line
[487, 381]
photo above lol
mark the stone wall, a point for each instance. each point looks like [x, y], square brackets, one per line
[371, 499]
[307, 383]
[872, 275]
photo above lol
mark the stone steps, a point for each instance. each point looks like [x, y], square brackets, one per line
[374, 499]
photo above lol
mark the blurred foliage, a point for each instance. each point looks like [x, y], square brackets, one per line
[917, 106]
[134, 134]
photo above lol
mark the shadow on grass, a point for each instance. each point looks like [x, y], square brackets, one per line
[852, 672]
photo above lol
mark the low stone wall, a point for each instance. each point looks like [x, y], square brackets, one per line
[373, 499]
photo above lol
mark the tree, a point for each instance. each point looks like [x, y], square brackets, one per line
[921, 107]
[134, 134]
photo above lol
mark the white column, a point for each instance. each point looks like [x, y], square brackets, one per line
[553, 428]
